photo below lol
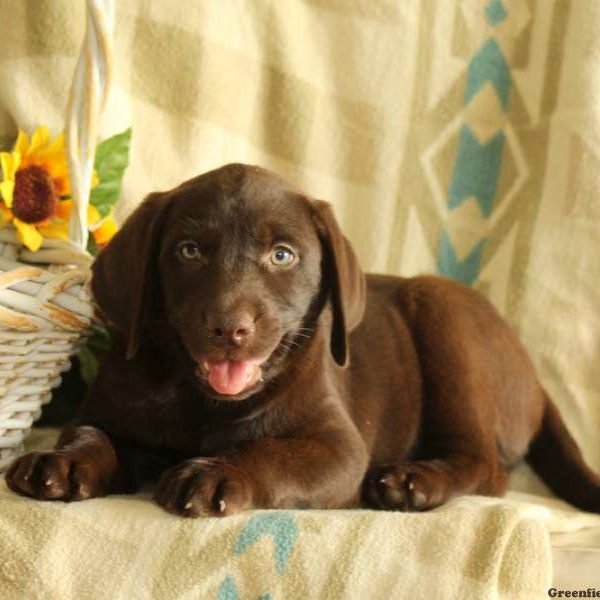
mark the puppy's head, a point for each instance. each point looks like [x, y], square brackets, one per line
[239, 265]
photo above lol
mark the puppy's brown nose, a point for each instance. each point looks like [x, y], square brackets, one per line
[233, 331]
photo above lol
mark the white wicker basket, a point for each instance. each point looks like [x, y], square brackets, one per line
[45, 305]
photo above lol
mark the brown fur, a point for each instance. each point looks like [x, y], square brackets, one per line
[391, 392]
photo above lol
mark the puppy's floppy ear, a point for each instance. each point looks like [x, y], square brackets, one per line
[122, 273]
[344, 278]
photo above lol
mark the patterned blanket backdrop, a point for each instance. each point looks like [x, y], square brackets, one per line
[452, 136]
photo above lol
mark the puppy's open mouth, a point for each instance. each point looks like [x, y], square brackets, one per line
[230, 377]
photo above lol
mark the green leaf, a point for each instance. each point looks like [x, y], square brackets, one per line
[89, 365]
[100, 340]
[112, 158]
[92, 247]
[91, 353]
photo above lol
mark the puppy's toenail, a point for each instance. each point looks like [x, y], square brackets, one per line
[48, 482]
[389, 480]
[419, 499]
[393, 498]
[188, 506]
[410, 485]
[222, 505]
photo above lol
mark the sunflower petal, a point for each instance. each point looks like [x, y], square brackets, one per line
[63, 211]
[7, 189]
[63, 185]
[104, 233]
[10, 162]
[93, 215]
[22, 144]
[55, 230]
[52, 158]
[29, 235]
[39, 139]
[55, 150]
[6, 215]
[57, 168]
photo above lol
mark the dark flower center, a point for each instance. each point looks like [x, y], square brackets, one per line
[35, 198]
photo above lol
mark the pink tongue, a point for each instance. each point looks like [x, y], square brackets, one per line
[230, 377]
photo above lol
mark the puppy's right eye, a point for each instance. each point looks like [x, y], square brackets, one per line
[189, 251]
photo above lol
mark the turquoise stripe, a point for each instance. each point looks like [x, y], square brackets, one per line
[489, 65]
[228, 590]
[476, 171]
[465, 270]
[495, 12]
[477, 166]
[280, 525]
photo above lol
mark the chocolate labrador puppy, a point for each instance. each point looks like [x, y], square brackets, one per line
[257, 366]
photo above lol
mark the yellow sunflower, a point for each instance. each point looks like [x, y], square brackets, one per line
[102, 229]
[57, 226]
[35, 184]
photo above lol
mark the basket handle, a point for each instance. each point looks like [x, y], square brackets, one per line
[87, 98]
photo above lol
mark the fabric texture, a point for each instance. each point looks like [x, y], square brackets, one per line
[460, 137]
[127, 547]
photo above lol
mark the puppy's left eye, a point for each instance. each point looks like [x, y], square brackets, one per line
[189, 251]
[282, 256]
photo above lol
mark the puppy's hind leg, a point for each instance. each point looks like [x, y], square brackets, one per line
[458, 448]
[425, 484]
[458, 452]
[470, 360]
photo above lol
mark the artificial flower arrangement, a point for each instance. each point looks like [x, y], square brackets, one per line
[35, 199]
[36, 194]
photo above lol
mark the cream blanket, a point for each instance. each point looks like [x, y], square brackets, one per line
[458, 136]
[125, 547]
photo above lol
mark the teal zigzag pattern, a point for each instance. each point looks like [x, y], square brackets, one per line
[488, 64]
[281, 526]
[476, 171]
[495, 12]
[477, 166]
[465, 270]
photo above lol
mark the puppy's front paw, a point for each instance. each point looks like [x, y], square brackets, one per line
[408, 486]
[54, 476]
[204, 486]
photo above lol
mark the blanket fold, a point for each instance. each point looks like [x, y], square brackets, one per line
[126, 547]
